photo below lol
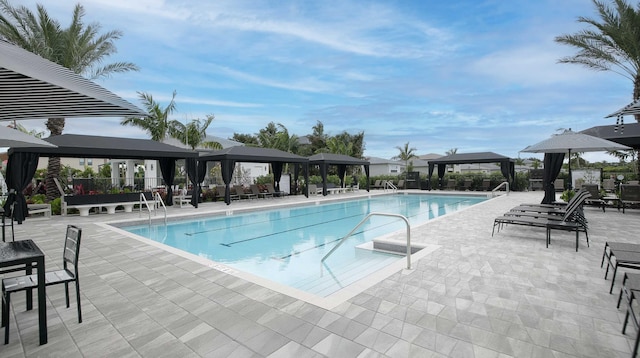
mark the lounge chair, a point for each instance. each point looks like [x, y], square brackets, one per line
[68, 274]
[377, 185]
[625, 255]
[242, 194]
[629, 195]
[271, 190]
[609, 185]
[596, 198]
[314, 190]
[570, 221]
[451, 184]
[558, 185]
[486, 184]
[400, 184]
[631, 289]
[220, 190]
[256, 191]
[466, 185]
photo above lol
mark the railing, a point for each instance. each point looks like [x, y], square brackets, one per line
[361, 223]
[157, 201]
[505, 184]
[389, 185]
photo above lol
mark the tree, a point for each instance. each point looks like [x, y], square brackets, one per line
[406, 154]
[79, 47]
[157, 124]
[611, 44]
[194, 133]
[248, 139]
[451, 151]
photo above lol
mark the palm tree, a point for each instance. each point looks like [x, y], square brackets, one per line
[157, 124]
[612, 44]
[194, 133]
[406, 154]
[78, 47]
[338, 146]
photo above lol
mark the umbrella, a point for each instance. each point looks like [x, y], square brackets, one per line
[569, 141]
[10, 137]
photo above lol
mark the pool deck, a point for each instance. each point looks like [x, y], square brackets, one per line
[472, 295]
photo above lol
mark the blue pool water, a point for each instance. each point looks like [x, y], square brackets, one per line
[286, 245]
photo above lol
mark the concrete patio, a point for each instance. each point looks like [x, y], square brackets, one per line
[474, 296]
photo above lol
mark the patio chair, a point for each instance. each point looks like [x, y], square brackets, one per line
[625, 255]
[400, 184]
[271, 190]
[68, 274]
[256, 191]
[631, 288]
[486, 184]
[629, 195]
[451, 184]
[596, 198]
[466, 185]
[570, 221]
[377, 185]
[558, 184]
[242, 194]
[609, 185]
[220, 189]
[7, 220]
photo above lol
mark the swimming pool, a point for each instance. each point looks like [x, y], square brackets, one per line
[285, 245]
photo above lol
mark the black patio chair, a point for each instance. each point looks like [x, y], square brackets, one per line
[7, 220]
[68, 274]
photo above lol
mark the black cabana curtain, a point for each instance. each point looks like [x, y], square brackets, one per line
[193, 171]
[441, 169]
[296, 176]
[342, 170]
[168, 170]
[366, 171]
[20, 170]
[323, 174]
[506, 172]
[431, 168]
[276, 167]
[227, 167]
[552, 167]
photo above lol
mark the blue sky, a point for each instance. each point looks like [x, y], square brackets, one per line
[476, 75]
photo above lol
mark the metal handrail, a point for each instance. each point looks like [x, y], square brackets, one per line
[504, 183]
[389, 185]
[362, 222]
[157, 200]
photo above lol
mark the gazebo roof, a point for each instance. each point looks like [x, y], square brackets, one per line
[628, 135]
[467, 158]
[335, 159]
[252, 155]
[80, 146]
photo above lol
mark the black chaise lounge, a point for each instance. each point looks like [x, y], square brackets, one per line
[571, 220]
[631, 289]
[620, 255]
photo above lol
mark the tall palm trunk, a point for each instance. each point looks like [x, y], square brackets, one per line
[55, 126]
[636, 92]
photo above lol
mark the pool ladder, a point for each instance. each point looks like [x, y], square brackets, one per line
[157, 202]
[406, 221]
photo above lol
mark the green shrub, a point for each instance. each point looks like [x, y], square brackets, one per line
[56, 206]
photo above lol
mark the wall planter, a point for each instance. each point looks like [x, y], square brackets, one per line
[105, 198]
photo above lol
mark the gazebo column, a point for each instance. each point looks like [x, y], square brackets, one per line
[130, 172]
[115, 173]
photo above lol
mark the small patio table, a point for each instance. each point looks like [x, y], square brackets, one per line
[26, 254]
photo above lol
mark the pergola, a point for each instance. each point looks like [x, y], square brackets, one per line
[324, 160]
[628, 135]
[507, 165]
[24, 160]
[228, 158]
